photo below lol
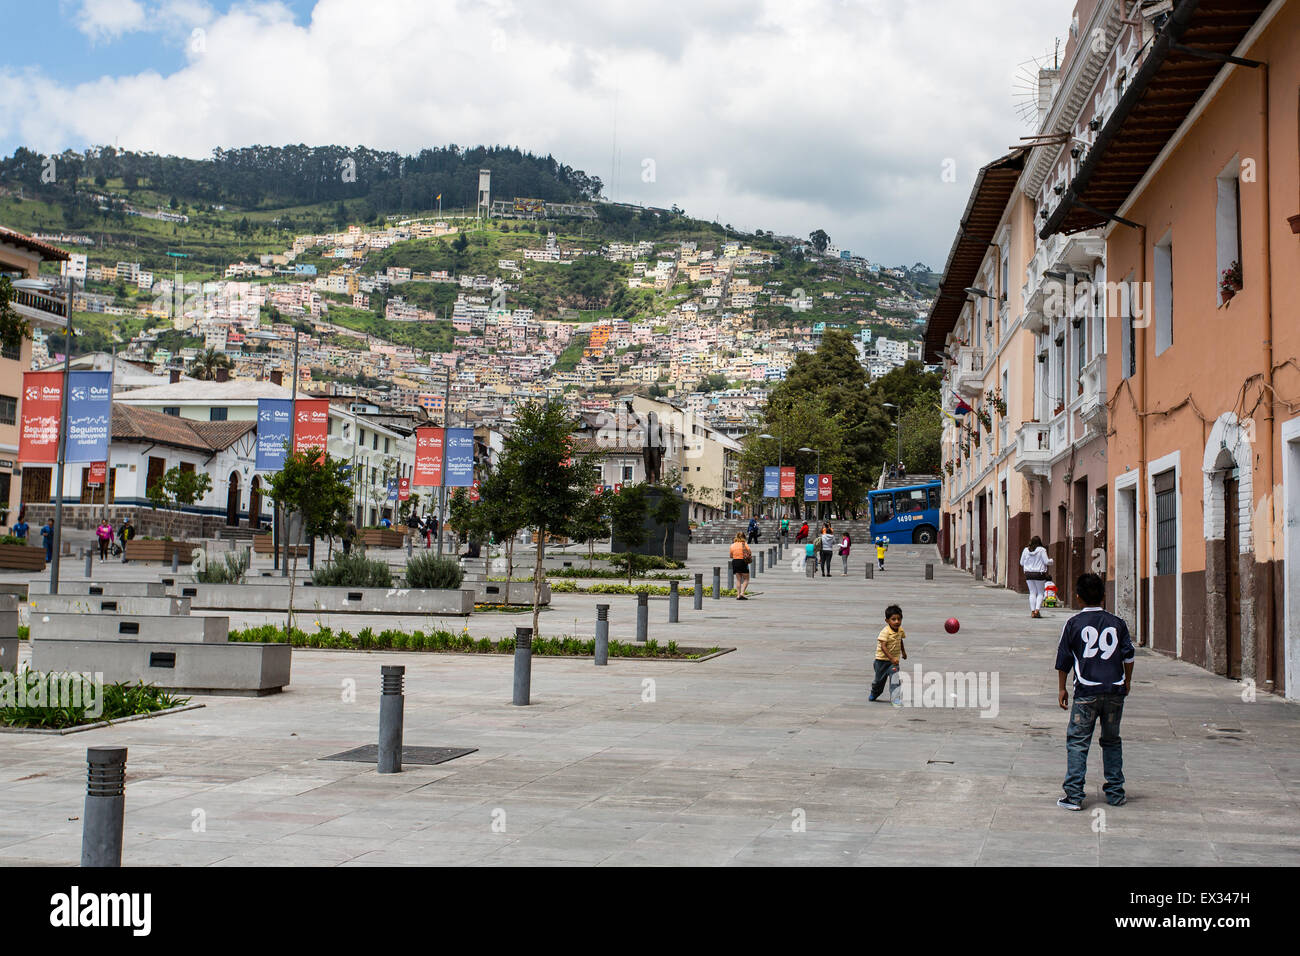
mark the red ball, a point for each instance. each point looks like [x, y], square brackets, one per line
[952, 625]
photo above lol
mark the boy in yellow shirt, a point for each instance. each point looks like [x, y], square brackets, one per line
[889, 649]
[882, 545]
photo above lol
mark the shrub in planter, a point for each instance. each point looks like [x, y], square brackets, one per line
[430, 571]
[230, 570]
[353, 571]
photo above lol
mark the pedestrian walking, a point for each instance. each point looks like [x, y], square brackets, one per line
[889, 649]
[430, 530]
[753, 530]
[740, 558]
[104, 533]
[828, 549]
[349, 536]
[47, 539]
[882, 545]
[785, 529]
[413, 525]
[20, 530]
[1034, 561]
[1095, 644]
[846, 545]
[125, 534]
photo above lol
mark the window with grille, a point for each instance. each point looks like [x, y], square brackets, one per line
[1166, 524]
[8, 410]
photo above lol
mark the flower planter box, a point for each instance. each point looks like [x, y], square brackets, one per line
[161, 551]
[383, 538]
[264, 544]
[22, 557]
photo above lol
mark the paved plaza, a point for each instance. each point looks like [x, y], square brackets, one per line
[767, 755]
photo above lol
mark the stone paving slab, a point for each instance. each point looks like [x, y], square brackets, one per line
[770, 755]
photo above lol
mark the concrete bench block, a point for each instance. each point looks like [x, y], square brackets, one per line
[130, 628]
[110, 604]
[119, 588]
[9, 655]
[225, 669]
[516, 592]
[9, 623]
[271, 597]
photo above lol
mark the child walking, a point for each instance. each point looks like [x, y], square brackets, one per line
[889, 649]
[882, 545]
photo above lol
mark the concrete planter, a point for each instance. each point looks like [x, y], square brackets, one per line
[383, 538]
[22, 557]
[153, 589]
[197, 668]
[256, 596]
[498, 592]
[107, 604]
[161, 551]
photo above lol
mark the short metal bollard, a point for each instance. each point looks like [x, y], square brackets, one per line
[810, 565]
[602, 635]
[760, 562]
[699, 591]
[392, 711]
[929, 570]
[523, 665]
[673, 605]
[642, 617]
[410, 546]
[89, 558]
[731, 575]
[176, 561]
[871, 570]
[101, 822]
[717, 583]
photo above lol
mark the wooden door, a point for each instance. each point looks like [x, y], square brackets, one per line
[1232, 568]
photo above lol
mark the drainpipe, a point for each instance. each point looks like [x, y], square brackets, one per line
[1268, 464]
[1142, 504]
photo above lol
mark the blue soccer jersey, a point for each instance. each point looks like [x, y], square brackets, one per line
[1095, 645]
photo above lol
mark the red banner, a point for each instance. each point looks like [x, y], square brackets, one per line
[823, 487]
[403, 489]
[428, 458]
[311, 423]
[98, 474]
[42, 408]
[473, 491]
[788, 482]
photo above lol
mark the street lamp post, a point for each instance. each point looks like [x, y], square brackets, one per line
[898, 431]
[57, 538]
[284, 568]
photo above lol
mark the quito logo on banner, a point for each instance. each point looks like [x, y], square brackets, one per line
[274, 432]
[460, 457]
[771, 482]
[311, 423]
[823, 487]
[809, 487]
[428, 458]
[90, 406]
[788, 482]
[42, 405]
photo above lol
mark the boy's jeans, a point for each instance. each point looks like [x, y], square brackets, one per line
[883, 669]
[1084, 714]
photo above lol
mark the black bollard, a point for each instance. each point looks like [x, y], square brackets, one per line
[760, 562]
[523, 665]
[717, 583]
[673, 599]
[642, 617]
[929, 570]
[89, 558]
[602, 634]
[392, 707]
[699, 591]
[731, 575]
[101, 825]
[871, 569]
[176, 561]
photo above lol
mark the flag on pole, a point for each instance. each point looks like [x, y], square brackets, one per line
[962, 408]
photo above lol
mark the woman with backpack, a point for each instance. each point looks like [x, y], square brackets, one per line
[740, 558]
[1034, 562]
[846, 545]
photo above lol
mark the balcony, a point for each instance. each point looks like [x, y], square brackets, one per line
[1034, 449]
[46, 309]
[968, 377]
[1092, 406]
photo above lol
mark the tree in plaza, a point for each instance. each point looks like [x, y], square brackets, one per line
[819, 240]
[13, 327]
[627, 514]
[590, 523]
[922, 434]
[667, 512]
[547, 482]
[177, 489]
[915, 394]
[496, 514]
[314, 485]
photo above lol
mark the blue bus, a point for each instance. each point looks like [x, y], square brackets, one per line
[906, 515]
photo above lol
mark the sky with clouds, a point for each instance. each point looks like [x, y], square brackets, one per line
[789, 115]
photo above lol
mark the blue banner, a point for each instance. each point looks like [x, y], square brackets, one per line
[274, 432]
[90, 410]
[771, 482]
[392, 489]
[809, 487]
[460, 457]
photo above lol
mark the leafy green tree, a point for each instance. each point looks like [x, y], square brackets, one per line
[819, 240]
[922, 433]
[627, 514]
[590, 524]
[177, 489]
[205, 365]
[13, 327]
[314, 485]
[548, 483]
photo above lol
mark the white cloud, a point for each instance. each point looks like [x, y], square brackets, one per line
[783, 114]
[109, 19]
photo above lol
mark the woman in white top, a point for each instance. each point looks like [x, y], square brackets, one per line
[1034, 562]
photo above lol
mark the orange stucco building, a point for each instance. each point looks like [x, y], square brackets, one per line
[1193, 174]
